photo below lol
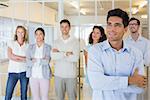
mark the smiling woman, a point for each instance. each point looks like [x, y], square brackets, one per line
[17, 59]
[38, 68]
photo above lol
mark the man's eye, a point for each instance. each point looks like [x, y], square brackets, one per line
[118, 25]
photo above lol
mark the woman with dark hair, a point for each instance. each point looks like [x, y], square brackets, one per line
[38, 68]
[16, 69]
[96, 36]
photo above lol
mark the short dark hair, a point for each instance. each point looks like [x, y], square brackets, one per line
[65, 21]
[101, 39]
[133, 18]
[119, 13]
[40, 29]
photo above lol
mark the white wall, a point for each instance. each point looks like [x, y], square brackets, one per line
[87, 20]
[33, 13]
[75, 20]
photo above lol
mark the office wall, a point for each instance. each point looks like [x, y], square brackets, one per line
[29, 11]
[101, 20]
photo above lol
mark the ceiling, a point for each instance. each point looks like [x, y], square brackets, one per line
[88, 6]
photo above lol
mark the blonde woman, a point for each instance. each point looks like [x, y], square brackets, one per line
[38, 69]
[16, 69]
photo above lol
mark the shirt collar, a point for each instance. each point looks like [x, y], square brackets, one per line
[107, 46]
[139, 38]
[40, 46]
[66, 40]
[19, 44]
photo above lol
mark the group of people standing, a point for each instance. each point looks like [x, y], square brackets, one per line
[28, 64]
[114, 68]
[31, 64]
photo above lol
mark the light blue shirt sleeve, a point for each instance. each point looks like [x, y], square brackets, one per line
[100, 81]
[139, 63]
[147, 54]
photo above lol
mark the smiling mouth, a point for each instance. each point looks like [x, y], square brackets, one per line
[94, 36]
[111, 34]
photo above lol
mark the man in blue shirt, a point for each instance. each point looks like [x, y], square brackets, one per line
[116, 69]
[137, 40]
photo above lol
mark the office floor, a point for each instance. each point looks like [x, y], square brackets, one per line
[52, 96]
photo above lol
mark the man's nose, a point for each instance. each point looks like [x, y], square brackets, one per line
[113, 28]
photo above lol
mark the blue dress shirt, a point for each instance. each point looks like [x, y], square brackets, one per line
[142, 44]
[108, 71]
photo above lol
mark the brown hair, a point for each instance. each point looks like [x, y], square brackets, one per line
[25, 31]
[103, 35]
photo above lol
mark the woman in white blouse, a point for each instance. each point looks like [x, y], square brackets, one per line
[38, 69]
[16, 69]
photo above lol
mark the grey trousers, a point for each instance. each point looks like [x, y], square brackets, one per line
[63, 85]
